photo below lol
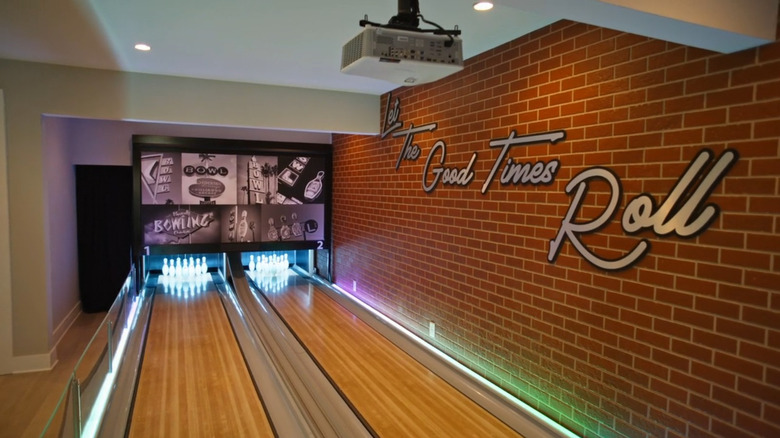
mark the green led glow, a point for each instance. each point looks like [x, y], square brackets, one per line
[560, 405]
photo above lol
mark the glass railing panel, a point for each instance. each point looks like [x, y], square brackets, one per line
[84, 393]
[60, 423]
[92, 369]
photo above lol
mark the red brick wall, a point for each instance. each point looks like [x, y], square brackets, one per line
[686, 342]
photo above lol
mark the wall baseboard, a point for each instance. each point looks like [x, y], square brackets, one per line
[59, 332]
[34, 362]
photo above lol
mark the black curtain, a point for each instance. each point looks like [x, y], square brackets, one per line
[104, 197]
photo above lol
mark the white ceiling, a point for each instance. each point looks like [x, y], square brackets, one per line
[289, 42]
[298, 42]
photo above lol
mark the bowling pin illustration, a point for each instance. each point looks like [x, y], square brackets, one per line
[242, 227]
[273, 234]
[314, 187]
[285, 231]
[232, 225]
[296, 229]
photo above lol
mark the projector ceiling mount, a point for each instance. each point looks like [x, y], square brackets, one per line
[402, 53]
[409, 18]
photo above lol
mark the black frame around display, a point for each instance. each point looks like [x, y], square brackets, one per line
[190, 195]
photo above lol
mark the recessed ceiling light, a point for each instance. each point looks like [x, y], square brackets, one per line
[483, 6]
[143, 47]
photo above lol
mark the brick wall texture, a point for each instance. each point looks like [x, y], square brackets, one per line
[685, 341]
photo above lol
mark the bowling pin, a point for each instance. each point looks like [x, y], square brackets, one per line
[178, 267]
[251, 263]
[165, 267]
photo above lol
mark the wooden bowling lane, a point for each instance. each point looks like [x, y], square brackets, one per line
[394, 393]
[194, 381]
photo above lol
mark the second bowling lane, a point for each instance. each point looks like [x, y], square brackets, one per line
[394, 393]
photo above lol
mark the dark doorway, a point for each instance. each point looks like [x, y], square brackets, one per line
[104, 197]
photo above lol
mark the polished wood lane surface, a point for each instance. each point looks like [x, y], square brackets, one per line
[396, 395]
[194, 381]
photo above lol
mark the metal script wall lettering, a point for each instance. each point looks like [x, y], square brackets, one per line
[684, 212]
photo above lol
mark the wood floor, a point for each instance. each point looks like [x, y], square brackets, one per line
[28, 400]
[396, 395]
[194, 382]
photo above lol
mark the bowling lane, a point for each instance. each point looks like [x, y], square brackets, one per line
[194, 381]
[394, 393]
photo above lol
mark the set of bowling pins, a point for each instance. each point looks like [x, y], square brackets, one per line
[184, 287]
[189, 268]
[184, 277]
[272, 283]
[273, 265]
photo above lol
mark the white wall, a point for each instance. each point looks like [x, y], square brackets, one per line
[60, 260]
[39, 164]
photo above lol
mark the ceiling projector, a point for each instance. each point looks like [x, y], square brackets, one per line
[400, 56]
